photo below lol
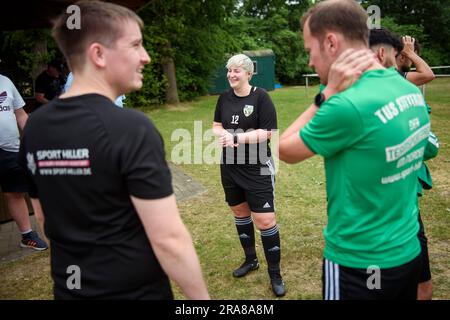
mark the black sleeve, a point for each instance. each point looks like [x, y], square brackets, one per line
[23, 162]
[267, 116]
[217, 114]
[403, 74]
[143, 164]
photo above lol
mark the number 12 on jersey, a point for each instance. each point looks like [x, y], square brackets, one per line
[234, 119]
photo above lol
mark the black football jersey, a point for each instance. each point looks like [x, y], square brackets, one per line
[242, 114]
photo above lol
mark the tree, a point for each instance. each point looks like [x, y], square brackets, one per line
[274, 24]
[181, 28]
[25, 53]
[431, 16]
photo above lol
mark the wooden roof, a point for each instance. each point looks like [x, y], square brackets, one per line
[23, 14]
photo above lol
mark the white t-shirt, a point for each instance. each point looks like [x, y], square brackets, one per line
[10, 101]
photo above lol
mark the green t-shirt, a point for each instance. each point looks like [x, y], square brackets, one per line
[431, 150]
[373, 138]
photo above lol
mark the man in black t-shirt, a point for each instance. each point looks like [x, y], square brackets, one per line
[48, 83]
[100, 172]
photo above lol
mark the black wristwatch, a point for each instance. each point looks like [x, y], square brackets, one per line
[235, 138]
[319, 99]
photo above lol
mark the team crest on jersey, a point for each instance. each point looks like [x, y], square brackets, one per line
[248, 110]
[30, 162]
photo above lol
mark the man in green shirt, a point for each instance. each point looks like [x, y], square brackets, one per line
[387, 47]
[371, 127]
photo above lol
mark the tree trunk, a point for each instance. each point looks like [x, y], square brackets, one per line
[40, 51]
[169, 71]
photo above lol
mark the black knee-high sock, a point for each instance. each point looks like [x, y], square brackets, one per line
[246, 234]
[271, 243]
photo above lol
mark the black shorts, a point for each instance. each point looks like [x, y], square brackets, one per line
[344, 283]
[253, 184]
[12, 176]
[425, 274]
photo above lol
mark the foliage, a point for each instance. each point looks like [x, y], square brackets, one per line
[19, 47]
[154, 84]
[431, 16]
[200, 35]
[191, 34]
[22, 60]
[267, 24]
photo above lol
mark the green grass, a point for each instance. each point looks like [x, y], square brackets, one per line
[301, 212]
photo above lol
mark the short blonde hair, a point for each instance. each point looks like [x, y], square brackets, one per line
[241, 60]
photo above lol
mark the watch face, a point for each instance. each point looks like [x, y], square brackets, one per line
[318, 99]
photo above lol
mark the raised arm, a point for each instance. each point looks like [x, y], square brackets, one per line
[423, 73]
[292, 149]
[343, 73]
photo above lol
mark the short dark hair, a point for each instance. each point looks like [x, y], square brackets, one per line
[344, 16]
[99, 23]
[384, 36]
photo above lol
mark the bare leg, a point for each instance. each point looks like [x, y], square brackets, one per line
[18, 209]
[242, 210]
[264, 220]
[425, 290]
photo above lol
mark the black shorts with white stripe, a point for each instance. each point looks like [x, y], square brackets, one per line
[254, 184]
[425, 275]
[344, 283]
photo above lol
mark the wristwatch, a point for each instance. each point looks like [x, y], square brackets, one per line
[319, 99]
[235, 138]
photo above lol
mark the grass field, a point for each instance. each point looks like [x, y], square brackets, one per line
[301, 212]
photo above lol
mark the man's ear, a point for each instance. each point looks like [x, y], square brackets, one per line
[381, 54]
[96, 54]
[331, 43]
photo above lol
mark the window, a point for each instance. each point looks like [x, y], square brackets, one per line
[255, 67]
